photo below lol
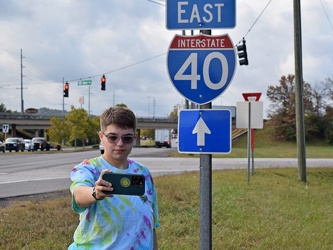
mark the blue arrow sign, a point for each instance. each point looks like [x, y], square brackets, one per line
[204, 131]
[201, 67]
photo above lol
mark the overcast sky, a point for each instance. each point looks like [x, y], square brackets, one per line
[128, 41]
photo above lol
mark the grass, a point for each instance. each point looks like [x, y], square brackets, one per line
[274, 211]
[267, 147]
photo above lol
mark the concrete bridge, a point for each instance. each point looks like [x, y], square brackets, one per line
[42, 122]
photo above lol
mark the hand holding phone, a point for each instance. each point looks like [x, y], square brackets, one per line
[125, 184]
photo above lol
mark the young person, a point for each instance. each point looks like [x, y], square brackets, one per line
[110, 221]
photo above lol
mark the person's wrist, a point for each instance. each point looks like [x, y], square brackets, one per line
[95, 195]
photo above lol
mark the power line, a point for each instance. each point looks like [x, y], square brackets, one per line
[111, 71]
[157, 2]
[256, 20]
[322, 5]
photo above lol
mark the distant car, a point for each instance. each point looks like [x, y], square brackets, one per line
[28, 145]
[40, 143]
[101, 148]
[2, 147]
[15, 144]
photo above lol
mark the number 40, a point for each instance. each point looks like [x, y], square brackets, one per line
[192, 61]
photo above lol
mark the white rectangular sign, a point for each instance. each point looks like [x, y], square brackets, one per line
[242, 114]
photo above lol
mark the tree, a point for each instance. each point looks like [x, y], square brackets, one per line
[282, 112]
[78, 124]
[316, 110]
[59, 130]
[75, 125]
[328, 87]
[3, 108]
[174, 112]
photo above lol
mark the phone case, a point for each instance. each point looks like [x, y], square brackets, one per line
[126, 184]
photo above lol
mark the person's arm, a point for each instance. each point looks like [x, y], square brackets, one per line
[155, 240]
[83, 194]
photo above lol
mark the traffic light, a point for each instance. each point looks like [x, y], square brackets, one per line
[66, 89]
[242, 54]
[103, 80]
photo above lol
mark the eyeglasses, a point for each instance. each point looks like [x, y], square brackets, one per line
[127, 139]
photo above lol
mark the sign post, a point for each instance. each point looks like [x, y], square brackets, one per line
[85, 83]
[5, 130]
[201, 68]
[250, 115]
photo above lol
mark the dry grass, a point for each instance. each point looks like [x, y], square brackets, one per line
[274, 211]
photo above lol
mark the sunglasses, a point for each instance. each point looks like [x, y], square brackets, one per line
[126, 139]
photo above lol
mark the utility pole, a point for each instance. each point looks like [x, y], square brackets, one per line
[300, 131]
[89, 101]
[148, 105]
[22, 102]
[154, 104]
[206, 191]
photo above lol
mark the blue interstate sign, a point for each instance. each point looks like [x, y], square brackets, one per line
[201, 67]
[204, 131]
[200, 14]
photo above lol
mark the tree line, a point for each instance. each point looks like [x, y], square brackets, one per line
[318, 109]
[79, 128]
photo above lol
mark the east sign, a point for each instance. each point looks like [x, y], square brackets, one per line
[200, 14]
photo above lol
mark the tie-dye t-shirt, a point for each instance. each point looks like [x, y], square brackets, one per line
[119, 222]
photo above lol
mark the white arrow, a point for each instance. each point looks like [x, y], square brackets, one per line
[201, 129]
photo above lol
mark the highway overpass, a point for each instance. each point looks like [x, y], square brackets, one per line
[39, 122]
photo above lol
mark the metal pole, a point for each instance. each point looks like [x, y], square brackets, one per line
[252, 148]
[205, 197]
[22, 102]
[89, 101]
[249, 144]
[206, 191]
[300, 131]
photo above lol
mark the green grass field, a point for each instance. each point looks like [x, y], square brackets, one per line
[274, 211]
[267, 147]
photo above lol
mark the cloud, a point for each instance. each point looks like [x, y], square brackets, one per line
[128, 41]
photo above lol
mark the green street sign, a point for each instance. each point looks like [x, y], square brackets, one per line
[84, 82]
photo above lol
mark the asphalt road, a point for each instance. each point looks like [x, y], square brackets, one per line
[33, 173]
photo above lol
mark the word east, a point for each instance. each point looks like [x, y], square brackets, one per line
[204, 15]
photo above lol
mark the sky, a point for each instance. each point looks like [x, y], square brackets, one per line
[127, 40]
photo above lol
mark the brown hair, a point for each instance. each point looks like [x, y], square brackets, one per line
[119, 116]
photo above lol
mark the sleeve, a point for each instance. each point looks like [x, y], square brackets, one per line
[84, 174]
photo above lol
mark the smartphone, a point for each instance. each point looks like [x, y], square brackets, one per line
[125, 184]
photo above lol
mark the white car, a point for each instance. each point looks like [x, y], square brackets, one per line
[101, 148]
[28, 145]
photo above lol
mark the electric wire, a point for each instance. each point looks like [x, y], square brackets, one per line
[255, 21]
[114, 70]
[156, 2]
[328, 19]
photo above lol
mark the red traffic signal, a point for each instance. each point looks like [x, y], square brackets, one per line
[103, 81]
[66, 89]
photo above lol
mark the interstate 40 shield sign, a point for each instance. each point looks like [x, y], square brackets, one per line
[201, 67]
